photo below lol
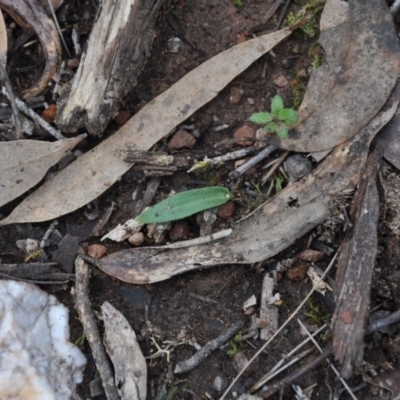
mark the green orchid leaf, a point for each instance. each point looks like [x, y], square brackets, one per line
[184, 204]
[261, 118]
[271, 127]
[282, 132]
[288, 116]
[276, 105]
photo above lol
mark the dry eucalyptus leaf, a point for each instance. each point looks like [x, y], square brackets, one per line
[3, 41]
[34, 19]
[359, 72]
[23, 163]
[141, 132]
[127, 358]
[268, 230]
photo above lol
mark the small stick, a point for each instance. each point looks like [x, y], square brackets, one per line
[8, 92]
[269, 390]
[283, 326]
[334, 369]
[276, 165]
[45, 125]
[234, 155]
[194, 361]
[48, 233]
[275, 370]
[87, 318]
[53, 14]
[253, 161]
[382, 322]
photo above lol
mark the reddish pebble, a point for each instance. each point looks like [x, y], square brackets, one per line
[236, 95]
[136, 239]
[310, 255]
[297, 273]
[347, 317]
[226, 210]
[243, 134]
[96, 250]
[180, 230]
[281, 81]
[49, 113]
[122, 117]
[181, 140]
[73, 63]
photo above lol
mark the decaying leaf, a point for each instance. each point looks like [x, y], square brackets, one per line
[24, 163]
[141, 132]
[359, 72]
[268, 230]
[123, 348]
[34, 19]
[318, 285]
[3, 41]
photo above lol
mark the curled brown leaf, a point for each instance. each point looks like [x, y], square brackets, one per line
[32, 17]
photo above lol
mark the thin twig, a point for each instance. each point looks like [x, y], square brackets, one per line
[269, 390]
[277, 368]
[276, 165]
[195, 360]
[253, 161]
[282, 327]
[282, 15]
[45, 125]
[53, 14]
[382, 322]
[334, 369]
[8, 92]
[87, 318]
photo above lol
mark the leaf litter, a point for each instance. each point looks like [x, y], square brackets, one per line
[141, 132]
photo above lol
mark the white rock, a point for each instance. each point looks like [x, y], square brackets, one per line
[37, 361]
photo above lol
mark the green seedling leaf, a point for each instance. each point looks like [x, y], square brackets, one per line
[276, 105]
[184, 204]
[261, 118]
[271, 127]
[288, 116]
[282, 132]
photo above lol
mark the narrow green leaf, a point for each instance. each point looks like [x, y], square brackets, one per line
[288, 116]
[184, 204]
[282, 132]
[271, 127]
[276, 105]
[261, 118]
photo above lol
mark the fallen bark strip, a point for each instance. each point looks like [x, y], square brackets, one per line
[118, 47]
[194, 361]
[354, 272]
[87, 318]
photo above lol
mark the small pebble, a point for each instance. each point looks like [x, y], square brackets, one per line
[136, 239]
[286, 63]
[181, 140]
[226, 211]
[96, 251]
[310, 255]
[244, 136]
[220, 383]
[297, 166]
[174, 45]
[49, 113]
[122, 117]
[236, 95]
[297, 273]
[180, 230]
[281, 81]
[240, 360]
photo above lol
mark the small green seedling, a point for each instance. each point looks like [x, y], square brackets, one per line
[278, 120]
[184, 204]
[238, 3]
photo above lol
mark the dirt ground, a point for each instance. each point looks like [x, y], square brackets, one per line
[196, 307]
